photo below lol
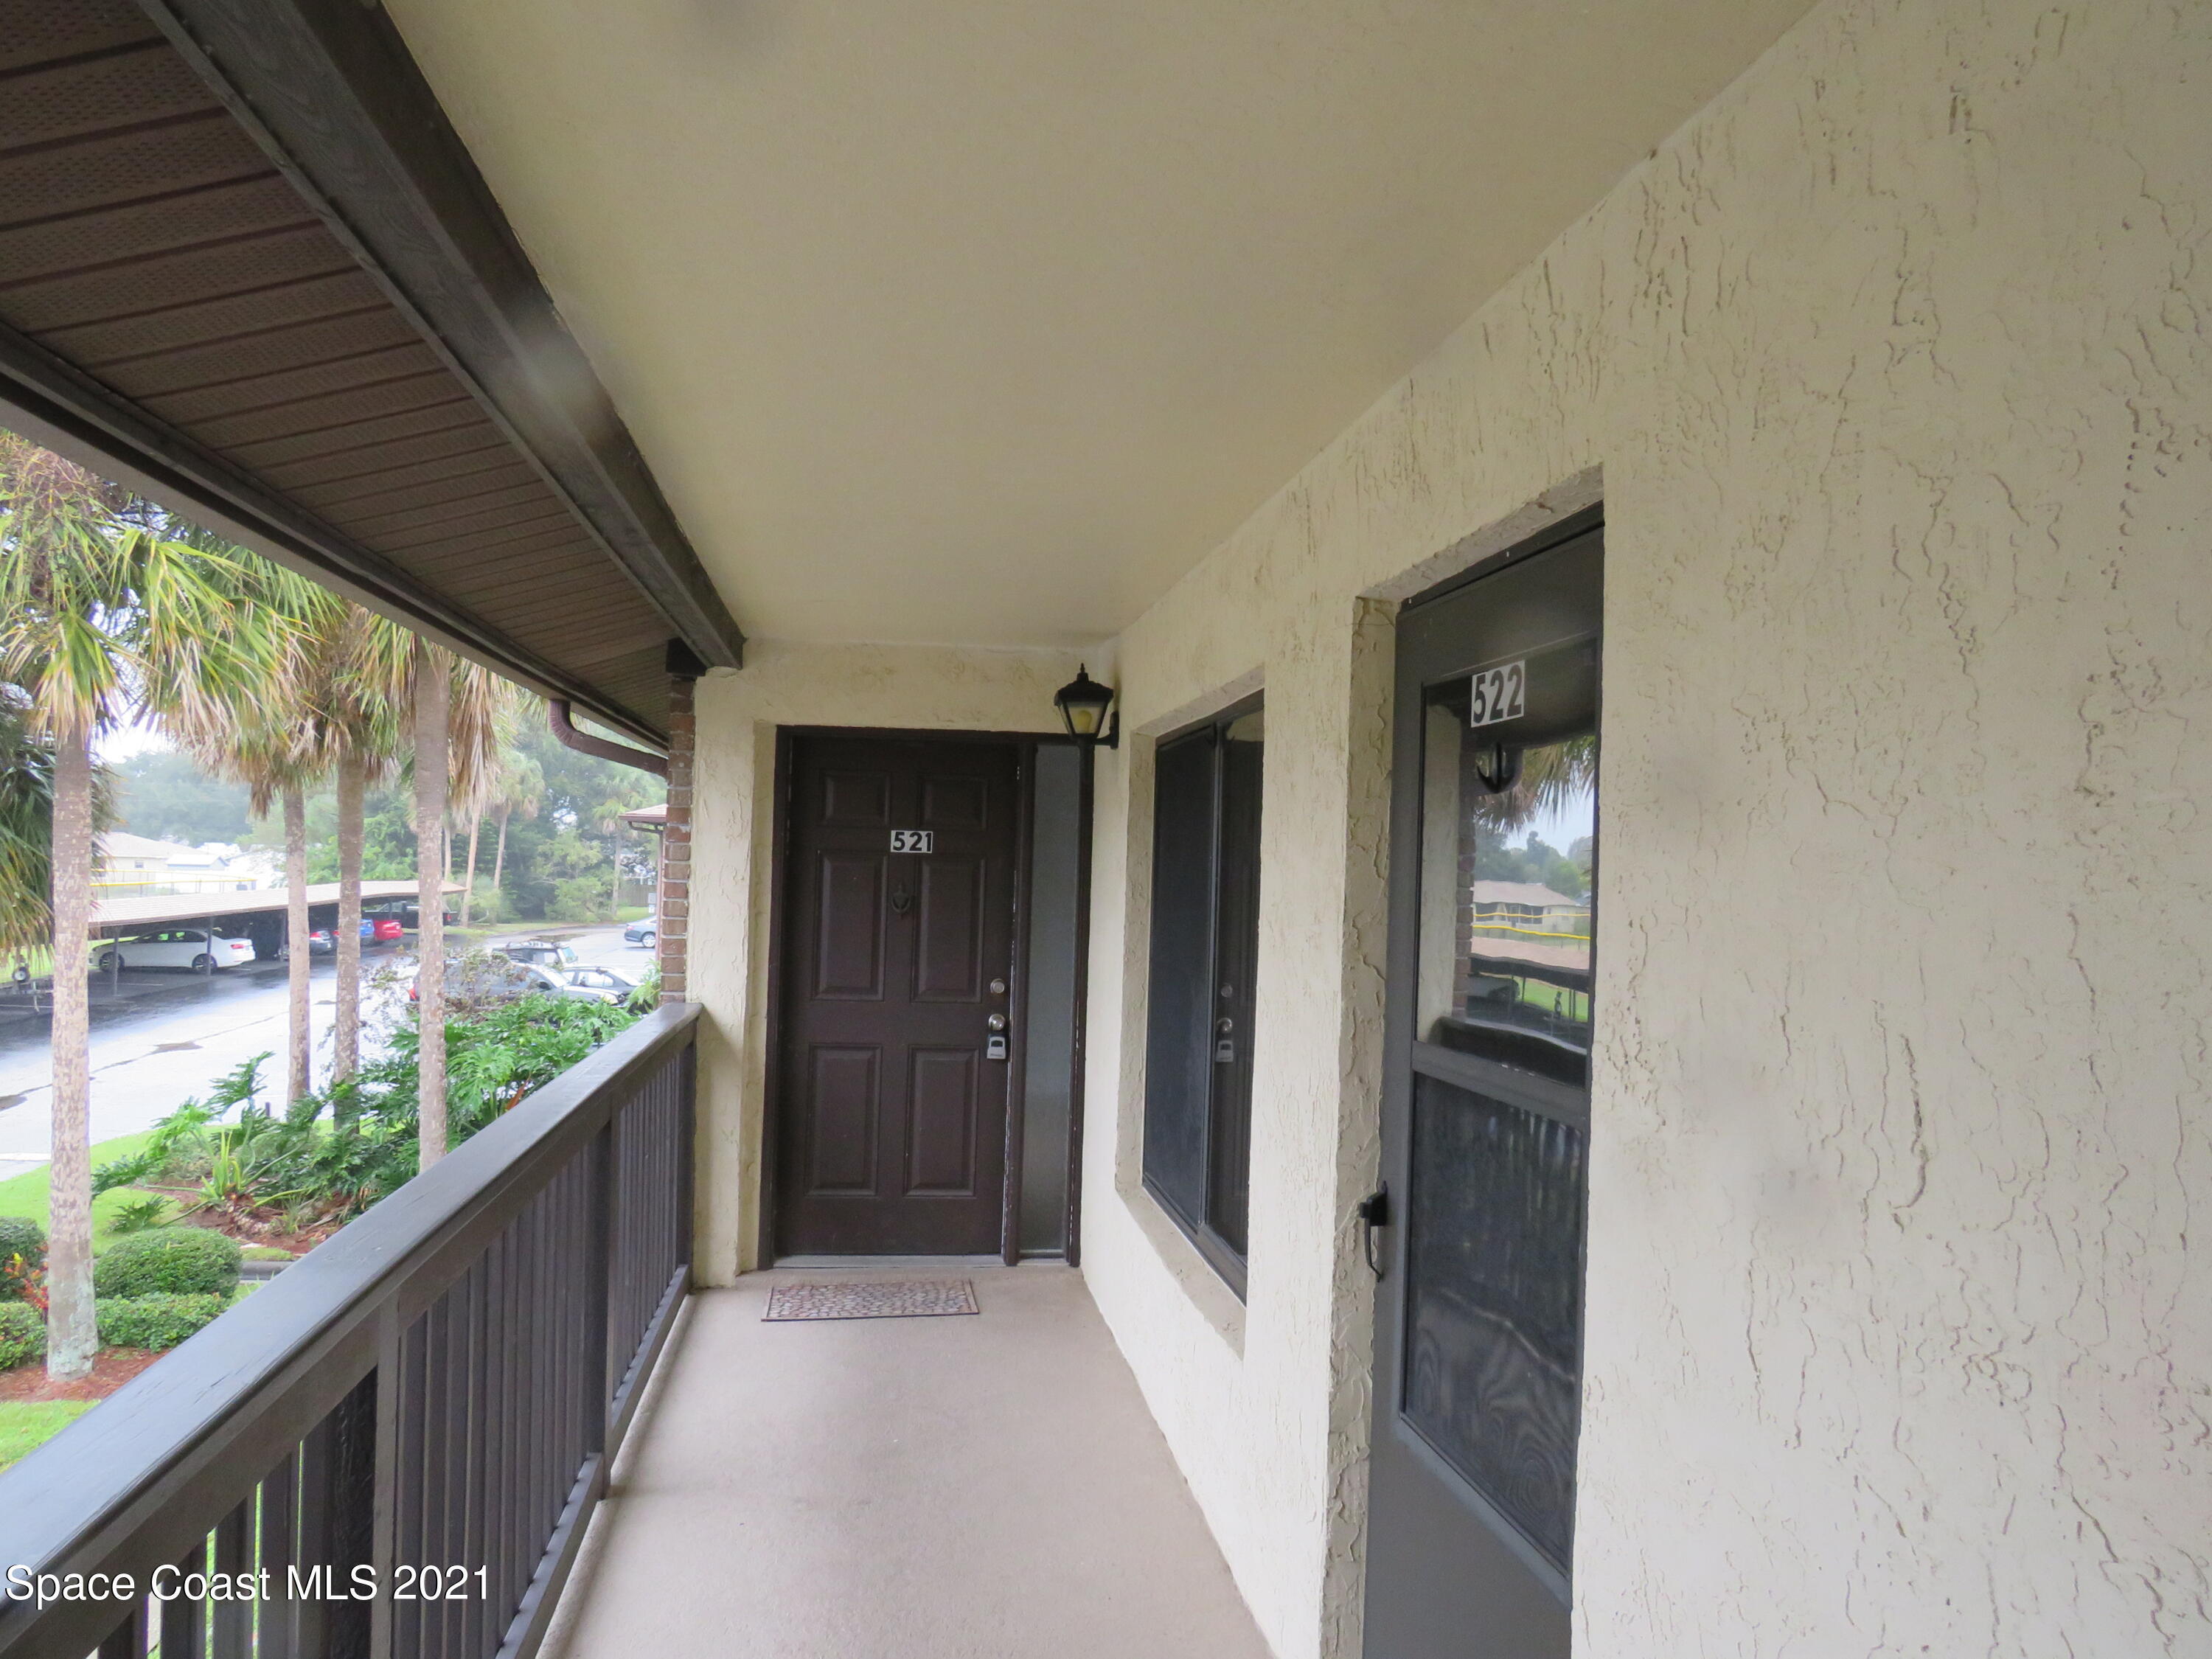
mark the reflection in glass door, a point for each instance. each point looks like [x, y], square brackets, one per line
[1485, 1113]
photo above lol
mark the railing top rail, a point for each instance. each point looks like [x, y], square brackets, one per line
[127, 1486]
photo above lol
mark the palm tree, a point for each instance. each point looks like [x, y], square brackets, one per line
[431, 690]
[26, 827]
[490, 776]
[98, 620]
[456, 742]
[274, 737]
[367, 662]
[521, 788]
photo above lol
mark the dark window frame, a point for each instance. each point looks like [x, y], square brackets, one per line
[1203, 1184]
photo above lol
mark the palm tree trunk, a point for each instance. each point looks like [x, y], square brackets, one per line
[499, 853]
[346, 1037]
[72, 1338]
[433, 699]
[298, 1024]
[469, 881]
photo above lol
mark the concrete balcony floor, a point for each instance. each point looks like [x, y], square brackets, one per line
[990, 1488]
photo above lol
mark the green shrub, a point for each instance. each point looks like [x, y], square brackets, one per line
[168, 1260]
[581, 898]
[20, 1236]
[154, 1322]
[23, 1333]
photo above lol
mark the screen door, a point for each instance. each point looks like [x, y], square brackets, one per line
[1478, 1232]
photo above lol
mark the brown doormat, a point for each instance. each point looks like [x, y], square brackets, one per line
[912, 1299]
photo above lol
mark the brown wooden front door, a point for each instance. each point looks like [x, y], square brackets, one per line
[900, 886]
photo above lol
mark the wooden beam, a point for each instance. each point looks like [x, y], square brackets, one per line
[329, 92]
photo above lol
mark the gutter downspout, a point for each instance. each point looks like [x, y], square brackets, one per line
[556, 715]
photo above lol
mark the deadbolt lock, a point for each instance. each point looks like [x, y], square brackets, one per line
[997, 987]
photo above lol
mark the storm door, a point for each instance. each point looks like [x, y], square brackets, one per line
[1478, 1232]
[891, 1080]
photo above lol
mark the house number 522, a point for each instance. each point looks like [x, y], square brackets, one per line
[1499, 694]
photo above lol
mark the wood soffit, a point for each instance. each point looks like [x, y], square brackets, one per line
[247, 268]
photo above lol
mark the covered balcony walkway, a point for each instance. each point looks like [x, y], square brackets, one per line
[985, 1485]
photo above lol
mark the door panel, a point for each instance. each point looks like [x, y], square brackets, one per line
[856, 799]
[941, 1122]
[848, 954]
[1485, 1115]
[842, 1105]
[949, 946]
[891, 1115]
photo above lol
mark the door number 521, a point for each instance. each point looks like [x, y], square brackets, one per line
[914, 840]
[1499, 694]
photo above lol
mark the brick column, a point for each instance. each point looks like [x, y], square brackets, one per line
[675, 919]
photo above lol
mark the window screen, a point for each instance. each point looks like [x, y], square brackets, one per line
[1205, 945]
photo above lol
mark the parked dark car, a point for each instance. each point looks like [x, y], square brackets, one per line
[406, 912]
[646, 932]
[323, 942]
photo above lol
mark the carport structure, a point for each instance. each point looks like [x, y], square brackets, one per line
[262, 911]
[1370, 402]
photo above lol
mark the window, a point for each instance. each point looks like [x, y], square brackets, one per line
[1205, 938]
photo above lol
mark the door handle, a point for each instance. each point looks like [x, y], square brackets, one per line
[1374, 1212]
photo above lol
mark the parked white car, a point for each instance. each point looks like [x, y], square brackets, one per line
[173, 947]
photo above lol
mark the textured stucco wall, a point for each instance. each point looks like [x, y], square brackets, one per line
[910, 687]
[1894, 364]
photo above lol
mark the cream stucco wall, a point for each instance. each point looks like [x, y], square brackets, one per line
[1893, 365]
[910, 687]
[1892, 369]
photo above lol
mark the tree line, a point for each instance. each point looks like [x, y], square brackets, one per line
[549, 844]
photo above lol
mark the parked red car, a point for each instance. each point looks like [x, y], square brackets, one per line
[385, 928]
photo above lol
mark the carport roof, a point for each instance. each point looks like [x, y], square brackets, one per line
[183, 908]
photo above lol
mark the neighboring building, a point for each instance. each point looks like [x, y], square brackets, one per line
[1524, 902]
[128, 865]
[1810, 1259]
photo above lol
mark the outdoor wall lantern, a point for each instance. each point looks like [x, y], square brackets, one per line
[1083, 704]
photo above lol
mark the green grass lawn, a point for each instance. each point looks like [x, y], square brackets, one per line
[27, 1424]
[27, 1194]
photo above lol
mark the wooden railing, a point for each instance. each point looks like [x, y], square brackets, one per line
[393, 1448]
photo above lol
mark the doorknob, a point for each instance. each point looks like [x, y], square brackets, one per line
[1374, 1212]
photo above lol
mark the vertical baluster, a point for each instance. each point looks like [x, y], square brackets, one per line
[279, 1506]
[441, 1638]
[420, 1537]
[516, 1433]
[128, 1640]
[490, 1537]
[184, 1624]
[543, 1329]
[592, 1373]
[468, 1615]
[533, 1348]
[233, 1620]
[686, 1150]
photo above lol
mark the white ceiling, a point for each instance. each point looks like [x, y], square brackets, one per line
[982, 322]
